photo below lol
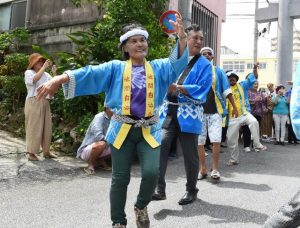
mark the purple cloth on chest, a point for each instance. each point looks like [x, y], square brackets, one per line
[138, 92]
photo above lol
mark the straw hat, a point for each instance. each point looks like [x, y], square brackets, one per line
[33, 59]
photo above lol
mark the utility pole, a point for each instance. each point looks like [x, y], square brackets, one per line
[284, 43]
[185, 9]
[285, 11]
[255, 36]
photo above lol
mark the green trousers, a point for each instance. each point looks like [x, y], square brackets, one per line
[122, 159]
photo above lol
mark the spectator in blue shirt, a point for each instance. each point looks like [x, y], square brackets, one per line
[280, 113]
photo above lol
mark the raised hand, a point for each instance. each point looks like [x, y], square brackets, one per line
[178, 27]
[47, 64]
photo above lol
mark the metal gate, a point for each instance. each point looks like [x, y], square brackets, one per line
[208, 22]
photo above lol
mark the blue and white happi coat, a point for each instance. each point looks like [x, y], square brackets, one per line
[247, 84]
[190, 110]
[221, 89]
[108, 78]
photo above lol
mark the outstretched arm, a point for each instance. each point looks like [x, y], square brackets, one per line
[179, 29]
[51, 87]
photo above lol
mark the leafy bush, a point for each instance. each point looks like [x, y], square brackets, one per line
[16, 63]
[3, 70]
[83, 125]
[10, 41]
[12, 92]
[72, 110]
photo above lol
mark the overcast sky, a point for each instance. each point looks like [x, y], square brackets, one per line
[238, 30]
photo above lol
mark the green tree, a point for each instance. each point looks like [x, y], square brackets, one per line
[100, 43]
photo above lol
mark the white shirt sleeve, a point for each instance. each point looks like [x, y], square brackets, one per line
[29, 75]
[32, 86]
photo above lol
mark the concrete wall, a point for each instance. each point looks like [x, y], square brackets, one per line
[50, 21]
[45, 12]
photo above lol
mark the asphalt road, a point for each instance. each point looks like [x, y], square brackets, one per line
[57, 193]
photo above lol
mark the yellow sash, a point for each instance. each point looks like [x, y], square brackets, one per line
[242, 98]
[239, 99]
[214, 84]
[126, 98]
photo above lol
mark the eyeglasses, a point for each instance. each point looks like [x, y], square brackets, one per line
[207, 53]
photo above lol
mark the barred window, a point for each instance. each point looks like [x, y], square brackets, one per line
[262, 66]
[12, 15]
[5, 16]
[238, 66]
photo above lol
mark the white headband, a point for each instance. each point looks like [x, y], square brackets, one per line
[207, 49]
[133, 32]
[231, 72]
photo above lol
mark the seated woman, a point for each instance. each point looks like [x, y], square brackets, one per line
[94, 148]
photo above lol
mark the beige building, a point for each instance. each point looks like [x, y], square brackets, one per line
[296, 43]
[244, 64]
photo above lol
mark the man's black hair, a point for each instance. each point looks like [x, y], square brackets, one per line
[193, 27]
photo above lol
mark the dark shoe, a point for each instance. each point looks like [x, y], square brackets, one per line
[202, 176]
[159, 196]
[142, 218]
[282, 143]
[188, 198]
[119, 225]
[276, 143]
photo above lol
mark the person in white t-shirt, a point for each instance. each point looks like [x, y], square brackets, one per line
[38, 124]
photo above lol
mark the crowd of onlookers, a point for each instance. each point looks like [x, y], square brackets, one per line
[271, 109]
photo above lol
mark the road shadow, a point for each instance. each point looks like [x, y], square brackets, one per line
[47, 171]
[219, 213]
[243, 185]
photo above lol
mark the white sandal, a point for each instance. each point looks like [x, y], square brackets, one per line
[232, 162]
[261, 148]
[215, 174]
